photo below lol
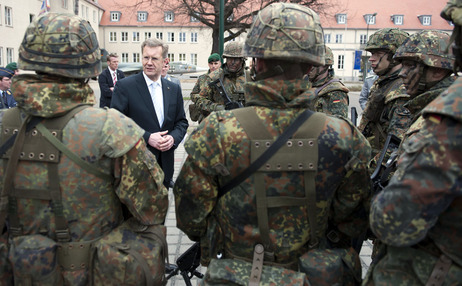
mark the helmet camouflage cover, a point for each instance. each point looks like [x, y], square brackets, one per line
[386, 39]
[453, 12]
[233, 50]
[286, 31]
[429, 47]
[329, 57]
[61, 44]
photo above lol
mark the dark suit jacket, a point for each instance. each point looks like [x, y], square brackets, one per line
[10, 102]
[105, 82]
[132, 98]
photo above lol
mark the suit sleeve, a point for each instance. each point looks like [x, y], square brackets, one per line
[120, 98]
[181, 124]
[103, 85]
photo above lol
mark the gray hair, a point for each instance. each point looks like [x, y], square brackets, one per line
[152, 43]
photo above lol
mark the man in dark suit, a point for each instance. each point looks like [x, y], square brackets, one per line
[155, 104]
[108, 78]
[6, 97]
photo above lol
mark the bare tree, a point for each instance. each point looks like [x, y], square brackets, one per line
[238, 14]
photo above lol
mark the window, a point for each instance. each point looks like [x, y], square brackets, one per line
[341, 58]
[94, 17]
[147, 35]
[363, 39]
[230, 18]
[194, 19]
[8, 16]
[326, 38]
[182, 57]
[193, 37]
[425, 20]
[142, 16]
[169, 16]
[124, 36]
[82, 11]
[136, 57]
[87, 13]
[341, 18]
[159, 35]
[397, 19]
[370, 18]
[194, 59]
[112, 36]
[338, 38]
[125, 57]
[9, 55]
[115, 16]
[182, 37]
[171, 57]
[1, 56]
[170, 37]
[64, 4]
[136, 37]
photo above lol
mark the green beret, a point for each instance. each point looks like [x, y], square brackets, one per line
[214, 58]
[12, 66]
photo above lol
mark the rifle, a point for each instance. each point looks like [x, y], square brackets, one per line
[381, 174]
[186, 264]
[354, 116]
[229, 104]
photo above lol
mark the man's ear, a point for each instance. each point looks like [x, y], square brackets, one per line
[260, 65]
[438, 74]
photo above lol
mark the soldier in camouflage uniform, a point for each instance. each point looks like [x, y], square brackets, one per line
[214, 62]
[427, 67]
[418, 214]
[233, 77]
[331, 93]
[388, 92]
[220, 149]
[63, 51]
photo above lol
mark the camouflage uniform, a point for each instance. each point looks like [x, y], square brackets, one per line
[219, 149]
[387, 94]
[208, 98]
[418, 215]
[105, 138]
[332, 94]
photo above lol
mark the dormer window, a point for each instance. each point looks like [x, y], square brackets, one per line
[194, 19]
[370, 18]
[397, 19]
[115, 16]
[425, 20]
[341, 18]
[142, 16]
[169, 16]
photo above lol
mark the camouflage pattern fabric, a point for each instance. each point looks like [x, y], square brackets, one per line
[420, 211]
[387, 94]
[332, 99]
[103, 137]
[237, 272]
[219, 149]
[194, 111]
[210, 100]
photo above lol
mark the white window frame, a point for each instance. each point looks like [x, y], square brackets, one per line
[147, 35]
[142, 16]
[193, 58]
[182, 37]
[124, 57]
[1, 56]
[160, 35]
[124, 37]
[171, 57]
[170, 37]
[327, 38]
[425, 20]
[136, 37]
[115, 16]
[136, 57]
[169, 16]
[8, 16]
[398, 19]
[182, 57]
[10, 55]
[112, 37]
[193, 37]
[363, 39]
[370, 19]
[341, 18]
[339, 38]
[340, 62]
[64, 3]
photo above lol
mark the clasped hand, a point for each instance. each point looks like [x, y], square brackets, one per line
[161, 141]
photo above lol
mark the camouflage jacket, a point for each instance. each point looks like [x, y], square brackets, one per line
[201, 81]
[332, 97]
[422, 205]
[219, 149]
[386, 95]
[103, 137]
[210, 100]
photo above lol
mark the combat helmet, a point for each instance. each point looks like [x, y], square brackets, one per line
[286, 31]
[429, 47]
[60, 44]
[233, 50]
[453, 12]
[386, 39]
